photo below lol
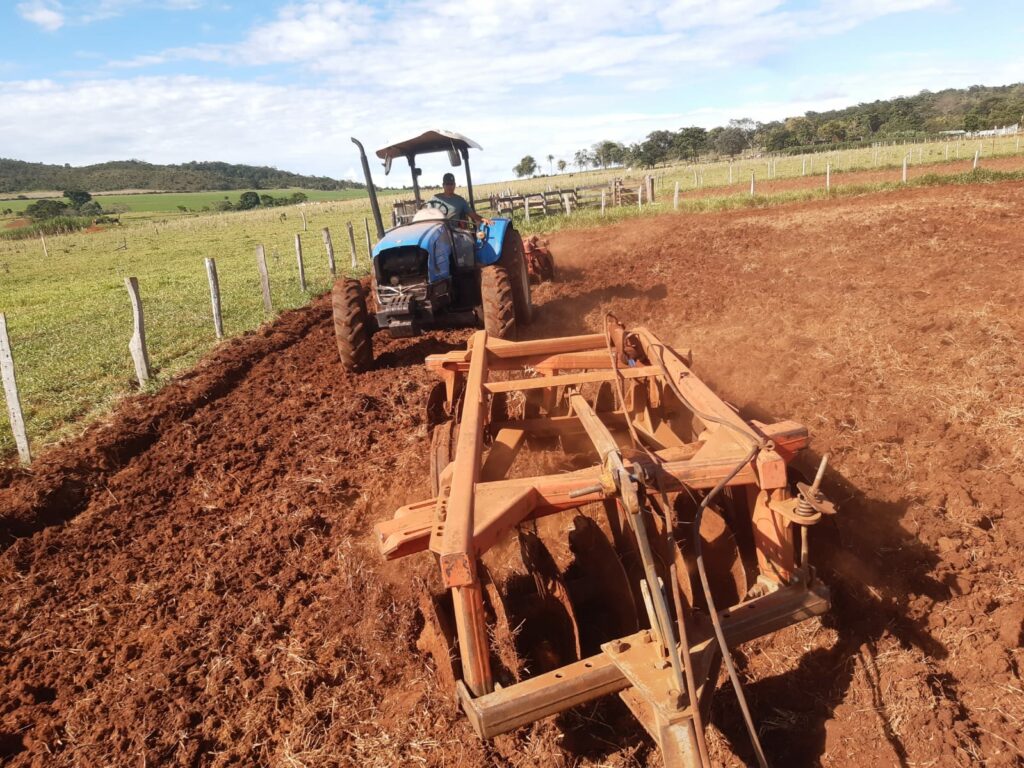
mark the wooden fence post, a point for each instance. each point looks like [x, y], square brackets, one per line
[298, 258]
[330, 250]
[14, 413]
[602, 202]
[352, 243]
[137, 346]
[211, 275]
[803, 166]
[650, 186]
[751, 182]
[261, 265]
[675, 198]
[566, 203]
[828, 177]
[904, 169]
[640, 198]
[42, 239]
[302, 210]
[526, 207]
[977, 155]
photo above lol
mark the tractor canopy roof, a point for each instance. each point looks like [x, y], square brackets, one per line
[431, 141]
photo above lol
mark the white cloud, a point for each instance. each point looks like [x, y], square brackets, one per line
[447, 49]
[48, 14]
[532, 76]
[53, 14]
[306, 128]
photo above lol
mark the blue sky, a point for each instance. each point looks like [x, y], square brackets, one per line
[286, 83]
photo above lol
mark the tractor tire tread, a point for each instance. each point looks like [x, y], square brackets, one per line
[352, 331]
[514, 260]
[496, 296]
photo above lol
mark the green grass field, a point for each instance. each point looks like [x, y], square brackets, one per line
[69, 314]
[157, 202]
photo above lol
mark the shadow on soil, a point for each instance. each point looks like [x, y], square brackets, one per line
[393, 356]
[871, 563]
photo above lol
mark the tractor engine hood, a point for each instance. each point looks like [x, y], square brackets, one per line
[431, 236]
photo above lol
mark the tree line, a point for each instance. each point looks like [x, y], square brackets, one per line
[925, 115]
[19, 176]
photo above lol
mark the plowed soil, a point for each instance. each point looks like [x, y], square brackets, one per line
[192, 582]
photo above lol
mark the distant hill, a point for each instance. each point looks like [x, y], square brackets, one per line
[19, 176]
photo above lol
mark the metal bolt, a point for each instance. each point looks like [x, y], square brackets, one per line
[618, 646]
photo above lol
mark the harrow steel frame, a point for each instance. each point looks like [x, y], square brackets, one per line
[659, 400]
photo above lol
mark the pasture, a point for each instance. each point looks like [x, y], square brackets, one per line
[172, 202]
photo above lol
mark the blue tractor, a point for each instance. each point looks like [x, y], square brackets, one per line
[431, 270]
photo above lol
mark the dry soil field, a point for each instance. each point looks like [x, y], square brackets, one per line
[192, 582]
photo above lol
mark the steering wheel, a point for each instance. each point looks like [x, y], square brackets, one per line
[440, 205]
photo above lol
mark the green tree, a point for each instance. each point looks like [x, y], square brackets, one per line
[657, 147]
[690, 142]
[78, 197]
[551, 167]
[299, 197]
[526, 167]
[801, 129]
[607, 153]
[46, 209]
[561, 166]
[248, 200]
[582, 158]
[832, 131]
[731, 141]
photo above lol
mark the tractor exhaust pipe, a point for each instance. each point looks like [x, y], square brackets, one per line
[370, 189]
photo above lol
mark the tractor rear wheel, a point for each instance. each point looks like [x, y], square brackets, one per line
[352, 331]
[497, 298]
[514, 258]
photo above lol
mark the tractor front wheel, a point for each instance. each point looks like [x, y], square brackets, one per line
[352, 330]
[496, 297]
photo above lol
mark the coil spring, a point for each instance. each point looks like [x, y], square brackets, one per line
[804, 508]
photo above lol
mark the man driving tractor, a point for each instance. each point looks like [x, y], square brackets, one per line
[455, 206]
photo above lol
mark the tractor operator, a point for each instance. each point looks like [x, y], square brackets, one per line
[458, 208]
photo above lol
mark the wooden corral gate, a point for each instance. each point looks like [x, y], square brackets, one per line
[616, 193]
